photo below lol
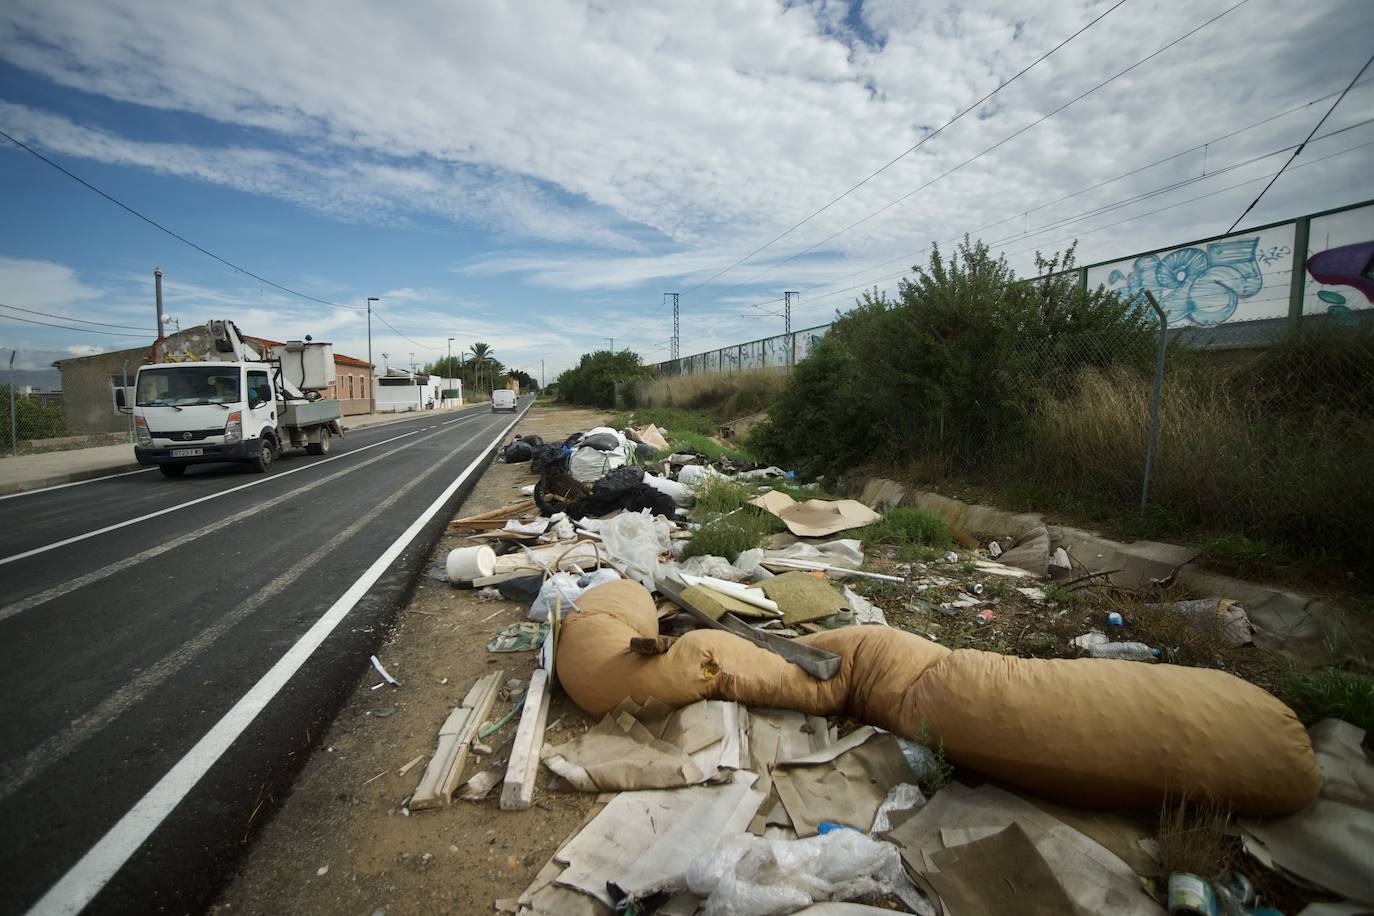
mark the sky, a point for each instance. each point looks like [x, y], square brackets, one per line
[536, 175]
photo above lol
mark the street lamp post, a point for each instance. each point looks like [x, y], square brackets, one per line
[371, 369]
[448, 364]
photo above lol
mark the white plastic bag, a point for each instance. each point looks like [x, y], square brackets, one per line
[681, 494]
[570, 586]
[588, 464]
[635, 540]
[748, 875]
[694, 475]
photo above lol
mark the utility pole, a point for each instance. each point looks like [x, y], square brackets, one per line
[14, 418]
[541, 373]
[675, 351]
[611, 340]
[787, 325]
[157, 287]
[371, 369]
[412, 362]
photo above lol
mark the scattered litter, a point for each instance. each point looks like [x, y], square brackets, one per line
[1060, 565]
[375, 778]
[566, 588]
[1216, 615]
[489, 594]
[994, 549]
[480, 785]
[902, 797]
[694, 475]
[1328, 842]
[467, 563]
[382, 671]
[534, 526]
[951, 557]
[1033, 593]
[976, 588]
[409, 766]
[519, 637]
[1114, 620]
[816, 517]
[1088, 640]
[437, 572]
[654, 747]
[635, 540]
[481, 750]
[384, 712]
[322, 870]
[844, 783]
[747, 875]
[865, 611]
[984, 616]
[1128, 651]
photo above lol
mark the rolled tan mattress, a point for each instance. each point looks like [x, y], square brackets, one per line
[1088, 732]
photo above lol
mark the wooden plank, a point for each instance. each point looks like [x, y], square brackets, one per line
[445, 768]
[496, 513]
[518, 791]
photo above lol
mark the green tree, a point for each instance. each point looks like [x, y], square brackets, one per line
[592, 381]
[951, 370]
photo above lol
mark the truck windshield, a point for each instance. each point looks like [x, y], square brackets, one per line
[185, 386]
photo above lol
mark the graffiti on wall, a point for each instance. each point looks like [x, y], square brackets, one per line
[1340, 263]
[1242, 277]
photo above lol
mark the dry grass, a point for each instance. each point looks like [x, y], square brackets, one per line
[725, 396]
[1193, 838]
[1227, 458]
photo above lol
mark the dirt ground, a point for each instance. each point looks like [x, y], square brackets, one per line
[342, 842]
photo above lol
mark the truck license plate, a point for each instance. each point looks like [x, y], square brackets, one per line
[187, 452]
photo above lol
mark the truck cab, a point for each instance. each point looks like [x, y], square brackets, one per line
[192, 413]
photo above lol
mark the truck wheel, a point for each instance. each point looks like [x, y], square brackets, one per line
[266, 454]
[321, 447]
[172, 470]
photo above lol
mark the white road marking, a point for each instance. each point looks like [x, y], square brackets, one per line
[90, 578]
[84, 880]
[74, 483]
[14, 775]
[269, 478]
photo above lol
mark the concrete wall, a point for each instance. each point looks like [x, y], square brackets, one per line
[350, 388]
[407, 397]
[88, 392]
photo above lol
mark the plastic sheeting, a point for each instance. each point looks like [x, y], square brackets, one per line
[1091, 732]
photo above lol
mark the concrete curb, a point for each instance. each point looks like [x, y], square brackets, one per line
[24, 486]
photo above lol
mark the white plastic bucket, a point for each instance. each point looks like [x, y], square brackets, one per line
[467, 563]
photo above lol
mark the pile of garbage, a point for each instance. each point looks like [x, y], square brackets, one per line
[724, 803]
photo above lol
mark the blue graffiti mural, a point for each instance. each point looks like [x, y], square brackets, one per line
[1197, 285]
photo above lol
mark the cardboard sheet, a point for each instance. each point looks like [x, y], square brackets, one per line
[816, 517]
[1096, 879]
[644, 841]
[1329, 842]
[1002, 873]
[653, 747]
[843, 783]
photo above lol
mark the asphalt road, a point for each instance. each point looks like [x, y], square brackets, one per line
[170, 648]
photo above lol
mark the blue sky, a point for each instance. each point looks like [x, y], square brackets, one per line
[536, 175]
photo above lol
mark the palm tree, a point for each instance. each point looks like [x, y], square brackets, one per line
[481, 355]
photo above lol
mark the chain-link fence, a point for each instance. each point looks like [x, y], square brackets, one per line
[34, 417]
[777, 352]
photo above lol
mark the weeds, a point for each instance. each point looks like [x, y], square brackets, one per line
[671, 418]
[935, 771]
[703, 445]
[1192, 838]
[729, 525]
[724, 396]
[1330, 693]
[907, 531]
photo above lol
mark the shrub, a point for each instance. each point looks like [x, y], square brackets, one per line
[592, 382]
[907, 530]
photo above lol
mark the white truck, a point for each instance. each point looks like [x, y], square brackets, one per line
[247, 407]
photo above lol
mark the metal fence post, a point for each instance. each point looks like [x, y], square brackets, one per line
[1298, 280]
[1154, 400]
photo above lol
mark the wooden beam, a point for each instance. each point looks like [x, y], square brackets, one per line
[496, 513]
[445, 769]
[518, 791]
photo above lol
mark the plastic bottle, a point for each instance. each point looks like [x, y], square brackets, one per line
[1131, 651]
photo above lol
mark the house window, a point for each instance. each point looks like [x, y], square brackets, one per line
[350, 387]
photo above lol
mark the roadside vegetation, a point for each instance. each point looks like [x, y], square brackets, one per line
[1035, 393]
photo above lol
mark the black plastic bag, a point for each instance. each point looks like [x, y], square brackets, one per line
[518, 451]
[606, 442]
[548, 457]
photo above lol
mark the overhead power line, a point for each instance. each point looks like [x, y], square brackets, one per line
[101, 324]
[376, 315]
[1298, 151]
[891, 162]
[180, 238]
[67, 327]
[980, 155]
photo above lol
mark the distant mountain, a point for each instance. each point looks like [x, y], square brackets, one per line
[40, 379]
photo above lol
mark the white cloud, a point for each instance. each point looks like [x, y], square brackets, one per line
[681, 136]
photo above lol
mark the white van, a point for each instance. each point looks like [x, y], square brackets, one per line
[503, 399]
